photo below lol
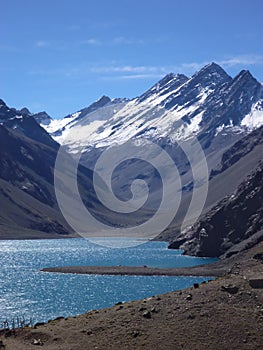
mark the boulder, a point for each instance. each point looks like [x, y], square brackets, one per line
[231, 289]
[147, 314]
[256, 282]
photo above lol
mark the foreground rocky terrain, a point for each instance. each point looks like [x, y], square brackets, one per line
[225, 314]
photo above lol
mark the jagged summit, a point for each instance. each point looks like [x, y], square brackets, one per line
[2, 102]
[212, 73]
[172, 76]
[240, 97]
[42, 118]
[245, 78]
[212, 67]
[25, 110]
[103, 100]
[24, 123]
[168, 83]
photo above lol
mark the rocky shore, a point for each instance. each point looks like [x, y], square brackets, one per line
[225, 314]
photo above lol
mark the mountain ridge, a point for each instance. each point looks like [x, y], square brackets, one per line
[209, 95]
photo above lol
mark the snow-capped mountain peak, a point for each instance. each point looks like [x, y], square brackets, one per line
[169, 83]
[85, 120]
[212, 72]
[177, 107]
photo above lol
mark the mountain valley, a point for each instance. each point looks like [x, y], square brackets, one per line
[223, 115]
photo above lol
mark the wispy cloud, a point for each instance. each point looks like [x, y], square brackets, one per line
[126, 69]
[91, 41]
[146, 72]
[114, 71]
[42, 43]
[120, 40]
[242, 60]
[133, 76]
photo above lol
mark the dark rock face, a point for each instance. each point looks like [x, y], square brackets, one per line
[42, 118]
[103, 101]
[239, 150]
[258, 256]
[25, 110]
[24, 124]
[27, 165]
[169, 83]
[256, 282]
[230, 289]
[235, 219]
[27, 196]
[229, 104]
[211, 77]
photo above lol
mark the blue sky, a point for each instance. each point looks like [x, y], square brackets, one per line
[61, 55]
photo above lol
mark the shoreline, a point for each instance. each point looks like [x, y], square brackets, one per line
[230, 305]
[208, 270]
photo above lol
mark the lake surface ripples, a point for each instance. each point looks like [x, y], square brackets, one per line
[27, 292]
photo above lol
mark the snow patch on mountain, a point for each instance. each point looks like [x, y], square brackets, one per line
[57, 124]
[78, 136]
[254, 119]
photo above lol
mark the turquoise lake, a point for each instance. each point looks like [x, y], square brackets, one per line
[27, 292]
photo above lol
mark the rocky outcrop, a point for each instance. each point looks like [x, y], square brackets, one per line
[25, 124]
[239, 150]
[42, 118]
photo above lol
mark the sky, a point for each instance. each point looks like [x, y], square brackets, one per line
[62, 55]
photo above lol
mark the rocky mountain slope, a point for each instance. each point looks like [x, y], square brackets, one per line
[29, 207]
[27, 198]
[23, 123]
[233, 225]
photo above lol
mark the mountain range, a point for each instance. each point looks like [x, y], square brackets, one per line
[209, 103]
[224, 115]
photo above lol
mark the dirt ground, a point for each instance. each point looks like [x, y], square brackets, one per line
[225, 314]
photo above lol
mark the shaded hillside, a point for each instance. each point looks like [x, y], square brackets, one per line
[27, 165]
[23, 123]
[239, 150]
[27, 198]
[28, 202]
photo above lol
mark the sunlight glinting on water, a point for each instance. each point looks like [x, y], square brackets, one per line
[26, 291]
